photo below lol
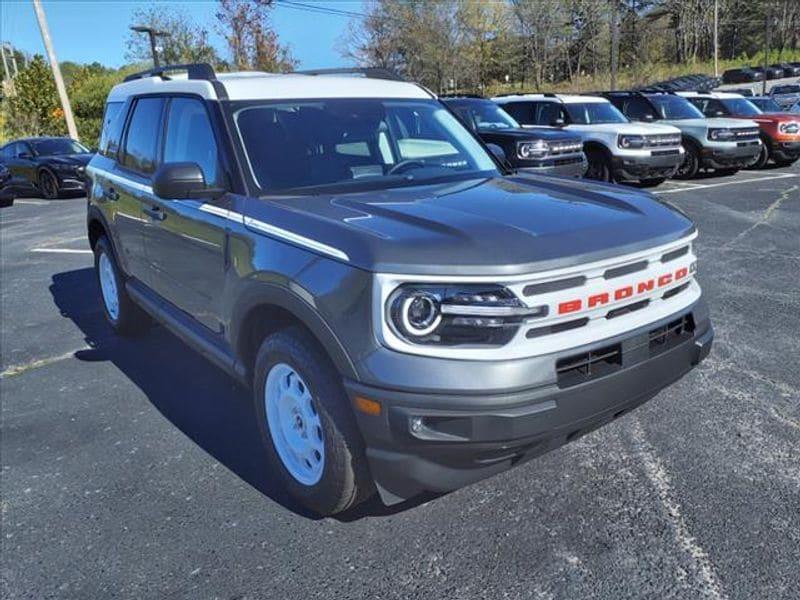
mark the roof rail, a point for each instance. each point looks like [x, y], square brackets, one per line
[473, 96]
[194, 70]
[369, 72]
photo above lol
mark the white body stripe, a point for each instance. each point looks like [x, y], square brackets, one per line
[237, 217]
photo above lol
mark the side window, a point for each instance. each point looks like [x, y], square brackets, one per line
[190, 137]
[112, 129]
[548, 113]
[715, 108]
[465, 116]
[142, 139]
[638, 109]
[8, 151]
[521, 111]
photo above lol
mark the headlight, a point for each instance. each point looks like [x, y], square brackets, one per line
[721, 135]
[449, 314]
[631, 141]
[65, 167]
[790, 128]
[532, 150]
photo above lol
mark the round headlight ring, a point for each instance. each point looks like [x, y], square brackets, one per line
[420, 314]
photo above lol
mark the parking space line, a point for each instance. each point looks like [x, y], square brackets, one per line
[701, 186]
[63, 250]
[34, 202]
[35, 364]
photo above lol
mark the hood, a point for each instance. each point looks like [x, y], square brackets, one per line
[498, 226]
[626, 128]
[532, 133]
[71, 159]
[778, 117]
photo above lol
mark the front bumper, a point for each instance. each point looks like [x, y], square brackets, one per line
[734, 155]
[652, 164]
[785, 150]
[437, 442]
[563, 166]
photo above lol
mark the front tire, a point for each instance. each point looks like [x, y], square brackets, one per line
[48, 185]
[763, 157]
[690, 165]
[599, 167]
[307, 426]
[124, 316]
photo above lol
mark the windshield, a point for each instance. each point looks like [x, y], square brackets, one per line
[740, 106]
[594, 113]
[795, 108]
[58, 146]
[675, 107]
[486, 115]
[356, 144]
[766, 105]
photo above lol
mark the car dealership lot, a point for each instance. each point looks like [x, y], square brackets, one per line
[132, 468]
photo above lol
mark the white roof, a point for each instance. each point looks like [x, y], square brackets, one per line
[565, 98]
[271, 86]
[717, 95]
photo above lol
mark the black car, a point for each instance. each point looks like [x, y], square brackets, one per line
[6, 191]
[771, 72]
[789, 69]
[742, 75]
[537, 150]
[46, 166]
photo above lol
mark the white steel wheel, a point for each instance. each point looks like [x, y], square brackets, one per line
[294, 424]
[108, 286]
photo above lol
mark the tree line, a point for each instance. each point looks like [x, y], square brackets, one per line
[471, 45]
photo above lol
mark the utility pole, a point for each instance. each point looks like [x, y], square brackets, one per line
[767, 19]
[716, 38]
[62, 90]
[152, 33]
[5, 62]
[614, 42]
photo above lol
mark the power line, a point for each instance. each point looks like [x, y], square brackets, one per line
[320, 9]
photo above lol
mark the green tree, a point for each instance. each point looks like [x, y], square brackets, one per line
[88, 92]
[34, 108]
[187, 42]
[253, 43]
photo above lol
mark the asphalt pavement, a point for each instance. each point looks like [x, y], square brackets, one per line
[131, 468]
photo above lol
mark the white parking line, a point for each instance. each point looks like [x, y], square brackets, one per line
[62, 250]
[34, 202]
[701, 186]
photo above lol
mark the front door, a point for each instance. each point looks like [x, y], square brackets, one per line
[185, 239]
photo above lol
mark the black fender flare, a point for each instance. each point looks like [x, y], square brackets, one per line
[593, 146]
[255, 294]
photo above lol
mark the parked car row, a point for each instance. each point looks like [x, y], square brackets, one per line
[753, 74]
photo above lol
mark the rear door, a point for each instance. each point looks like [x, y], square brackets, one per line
[18, 157]
[185, 239]
[128, 185]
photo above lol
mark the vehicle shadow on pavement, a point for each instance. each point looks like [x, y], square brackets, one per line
[202, 401]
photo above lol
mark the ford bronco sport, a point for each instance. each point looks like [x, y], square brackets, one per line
[712, 143]
[617, 150]
[409, 316]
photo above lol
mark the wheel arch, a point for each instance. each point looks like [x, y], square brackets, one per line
[595, 146]
[266, 308]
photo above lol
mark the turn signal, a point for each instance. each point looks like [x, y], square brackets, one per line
[367, 406]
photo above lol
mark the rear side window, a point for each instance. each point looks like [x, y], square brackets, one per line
[639, 109]
[549, 113]
[190, 137]
[142, 139]
[112, 129]
[521, 111]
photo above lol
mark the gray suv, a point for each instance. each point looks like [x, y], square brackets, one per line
[409, 316]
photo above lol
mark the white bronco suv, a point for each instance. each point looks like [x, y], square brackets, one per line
[616, 148]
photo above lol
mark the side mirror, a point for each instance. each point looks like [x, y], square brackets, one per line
[182, 181]
[648, 118]
[559, 122]
[498, 152]
[719, 113]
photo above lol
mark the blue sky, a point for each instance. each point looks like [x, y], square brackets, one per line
[88, 31]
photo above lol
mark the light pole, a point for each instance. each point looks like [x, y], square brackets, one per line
[152, 33]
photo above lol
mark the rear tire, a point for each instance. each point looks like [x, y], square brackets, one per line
[124, 316]
[786, 163]
[307, 425]
[691, 163]
[599, 167]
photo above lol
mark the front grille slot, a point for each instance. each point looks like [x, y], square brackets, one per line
[557, 328]
[674, 254]
[625, 270]
[624, 310]
[675, 291]
[670, 335]
[553, 286]
[584, 367]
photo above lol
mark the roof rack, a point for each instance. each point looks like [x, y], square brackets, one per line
[369, 72]
[474, 96]
[194, 70]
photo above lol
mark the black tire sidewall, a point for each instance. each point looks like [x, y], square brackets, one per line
[691, 155]
[763, 157]
[43, 176]
[132, 320]
[345, 474]
[600, 164]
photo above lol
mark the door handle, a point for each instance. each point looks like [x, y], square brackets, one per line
[155, 213]
[111, 193]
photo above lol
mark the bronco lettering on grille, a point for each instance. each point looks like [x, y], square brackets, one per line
[627, 291]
